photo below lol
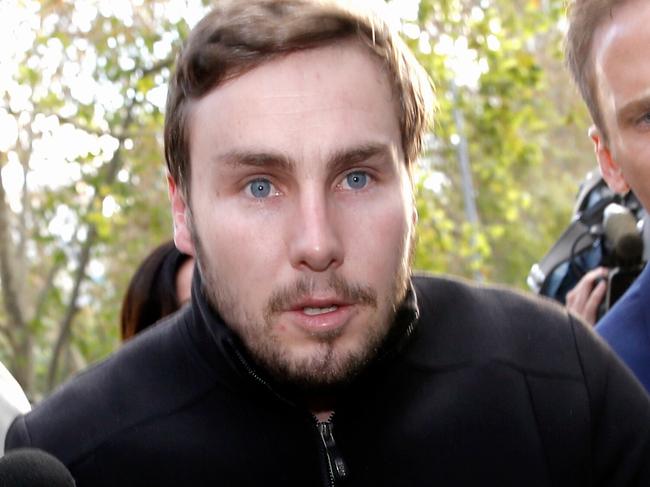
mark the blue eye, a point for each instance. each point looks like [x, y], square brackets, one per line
[260, 188]
[357, 180]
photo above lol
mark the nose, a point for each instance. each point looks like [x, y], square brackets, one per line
[315, 241]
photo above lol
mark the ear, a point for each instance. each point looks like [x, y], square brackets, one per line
[180, 218]
[609, 168]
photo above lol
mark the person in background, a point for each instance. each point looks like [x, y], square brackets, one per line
[606, 49]
[311, 354]
[159, 287]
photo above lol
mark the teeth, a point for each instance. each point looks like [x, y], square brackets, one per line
[319, 311]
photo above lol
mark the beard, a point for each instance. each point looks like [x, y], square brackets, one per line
[331, 361]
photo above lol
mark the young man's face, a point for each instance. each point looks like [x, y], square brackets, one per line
[622, 70]
[302, 210]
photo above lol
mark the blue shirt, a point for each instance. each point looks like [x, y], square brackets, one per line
[626, 327]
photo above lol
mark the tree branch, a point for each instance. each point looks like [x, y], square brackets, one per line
[71, 311]
[12, 302]
[9, 293]
[24, 153]
[66, 324]
[45, 290]
[8, 334]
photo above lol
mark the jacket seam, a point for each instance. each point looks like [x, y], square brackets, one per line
[538, 428]
[572, 322]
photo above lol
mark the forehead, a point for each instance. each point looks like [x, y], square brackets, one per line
[322, 97]
[621, 63]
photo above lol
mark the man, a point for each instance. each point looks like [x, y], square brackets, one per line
[605, 47]
[308, 356]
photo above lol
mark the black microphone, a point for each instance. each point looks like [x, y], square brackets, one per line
[29, 467]
[621, 235]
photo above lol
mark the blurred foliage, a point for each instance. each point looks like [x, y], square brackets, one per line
[69, 278]
[523, 125]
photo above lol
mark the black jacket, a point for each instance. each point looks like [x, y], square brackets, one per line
[486, 387]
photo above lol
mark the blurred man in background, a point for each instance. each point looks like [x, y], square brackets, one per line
[606, 52]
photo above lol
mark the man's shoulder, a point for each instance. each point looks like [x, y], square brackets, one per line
[479, 303]
[152, 375]
[472, 323]
[626, 327]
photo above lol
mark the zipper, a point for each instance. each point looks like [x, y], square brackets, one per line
[337, 469]
[256, 377]
[249, 369]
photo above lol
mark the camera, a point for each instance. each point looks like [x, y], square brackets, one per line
[606, 231]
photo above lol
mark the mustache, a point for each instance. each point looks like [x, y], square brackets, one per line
[285, 297]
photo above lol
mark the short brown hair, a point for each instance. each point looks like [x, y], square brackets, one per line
[585, 16]
[238, 35]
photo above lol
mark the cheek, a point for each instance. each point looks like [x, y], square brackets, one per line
[242, 248]
[377, 247]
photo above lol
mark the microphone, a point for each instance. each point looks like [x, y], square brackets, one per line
[29, 467]
[621, 235]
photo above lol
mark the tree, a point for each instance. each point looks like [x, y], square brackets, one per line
[94, 74]
[498, 69]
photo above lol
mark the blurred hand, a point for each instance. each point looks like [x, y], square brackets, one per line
[585, 298]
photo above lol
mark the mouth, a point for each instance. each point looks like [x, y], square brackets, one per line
[315, 311]
[318, 305]
[316, 315]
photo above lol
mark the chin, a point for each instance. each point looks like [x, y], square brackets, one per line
[331, 362]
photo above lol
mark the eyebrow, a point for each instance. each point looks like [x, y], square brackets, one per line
[634, 108]
[261, 159]
[337, 161]
[356, 155]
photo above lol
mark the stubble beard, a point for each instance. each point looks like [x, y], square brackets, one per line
[327, 366]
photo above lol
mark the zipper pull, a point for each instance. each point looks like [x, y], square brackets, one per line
[338, 468]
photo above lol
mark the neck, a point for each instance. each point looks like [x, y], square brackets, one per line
[322, 416]
[321, 406]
